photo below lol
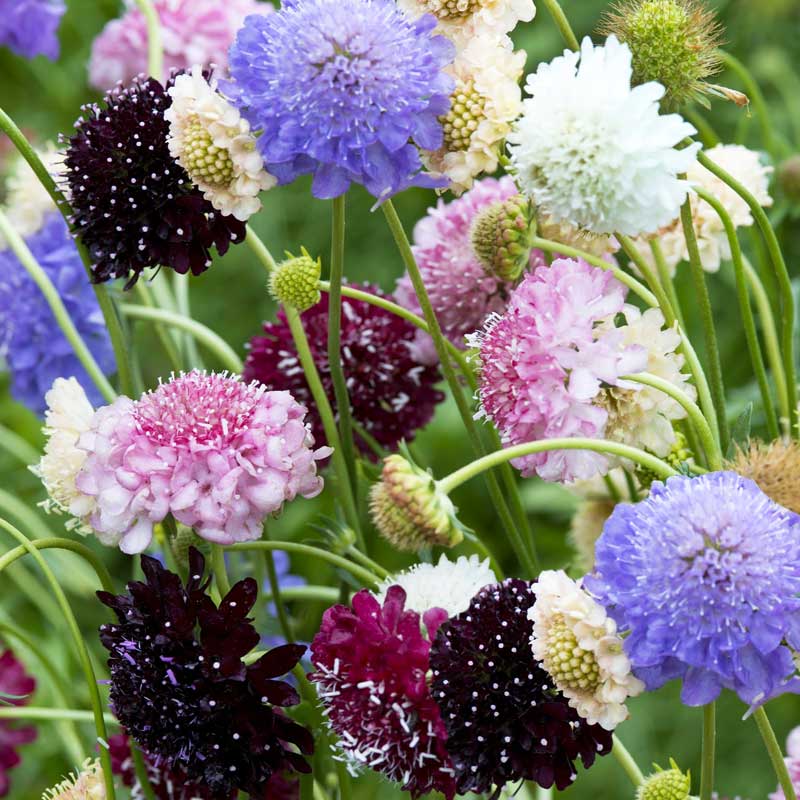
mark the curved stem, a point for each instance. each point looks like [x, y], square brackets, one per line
[40, 713]
[17, 446]
[83, 652]
[57, 307]
[708, 753]
[775, 754]
[322, 594]
[168, 338]
[220, 570]
[155, 50]
[665, 279]
[627, 762]
[562, 23]
[644, 459]
[366, 561]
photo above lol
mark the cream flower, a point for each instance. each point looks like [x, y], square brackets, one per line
[486, 101]
[577, 643]
[448, 584]
[88, 784]
[213, 143]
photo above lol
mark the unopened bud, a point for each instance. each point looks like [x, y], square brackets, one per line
[295, 281]
[666, 784]
[501, 237]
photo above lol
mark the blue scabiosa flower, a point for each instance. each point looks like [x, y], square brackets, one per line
[29, 27]
[346, 90]
[705, 576]
[36, 350]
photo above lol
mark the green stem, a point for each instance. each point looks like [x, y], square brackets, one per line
[562, 23]
[521, 548]
[165, 335]
[83, 651]
[277, 596]
[774, 752]
[57, 307]
[212, 341]
[355, 570]
[627, 762]
[366, 561]
[644, 459]
[665, 279]
[155, 50]
[708, 136]
[220, 570]
[55, 714]
[140, 768]
[20, 448]
[708, 751]
[322, 594]
[181, 285]
[707, 318]
[745, 310]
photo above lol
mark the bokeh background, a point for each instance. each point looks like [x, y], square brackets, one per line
[44, 99]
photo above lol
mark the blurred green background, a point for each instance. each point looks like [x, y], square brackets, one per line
[44, 99]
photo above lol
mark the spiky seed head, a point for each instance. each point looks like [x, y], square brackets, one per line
[666, 784]
[775, 467]
[295, 281]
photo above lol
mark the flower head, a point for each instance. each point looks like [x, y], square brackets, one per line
[594, 152]
[505, 720]
[15, 687]
[461, 292]
[775, 467]
[35, 348]
[30, 27]
[392, 395]
[135, 206]
[211, 141]
[370, 664]
[704, 576]
[665, 784]
[216, 452]
[345, 90]
[577, 643]
[501, 237]
[86, 784]
[193, 32]
[182, 692]
[295, 281]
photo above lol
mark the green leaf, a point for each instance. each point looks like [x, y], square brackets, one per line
[740, 432]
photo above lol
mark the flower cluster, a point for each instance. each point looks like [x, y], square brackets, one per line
[15, 687]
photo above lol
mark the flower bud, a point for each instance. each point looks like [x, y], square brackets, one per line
[501, 237]
[295, 281]
[678, 455]
[789, 177]
[409, 510]
[669, 784]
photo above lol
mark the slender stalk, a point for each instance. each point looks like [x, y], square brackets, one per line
[155, 49]
[59, 310]
[168, 341]
[666, 280]
[140, 768]
[277, 596]
[627, 762]
[774, 752]
[708, 751]
[644, 459]
[83, 652]
[322, 594]
[366, 561]
[220, 570]
[55, 714]
[708, 136]
[562, 23]
[20, 448]
[182, 300]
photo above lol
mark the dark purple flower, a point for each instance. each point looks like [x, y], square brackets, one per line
[15, 687]
[181, 690]
[30, 27]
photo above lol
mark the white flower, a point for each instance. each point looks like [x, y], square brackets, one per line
[213, 143]
[577, 643]
[594, 152]
[69, 415]
[486, 101]
[450, 585]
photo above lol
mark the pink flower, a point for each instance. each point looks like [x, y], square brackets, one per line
[217, 453]
[544, 361]
[792, 764]
[15, 687]
[193, 32]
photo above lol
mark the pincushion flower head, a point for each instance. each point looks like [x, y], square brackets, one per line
[506, 721]
[85, 784]
[392, 395]
[30, 27]
[345, 90]
[594, 152]
[192, 32]
[35, 348]
[578, 645]
[15, 687]
[703, 579]
[370, 664]
[134, 205]
[217, 453]
[180, 688]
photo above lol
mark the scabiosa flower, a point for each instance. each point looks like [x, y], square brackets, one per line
[295, 281]
[135, 206]
[501, 237]
[33, 345]
[665, 784]
[578, 644]
[182, 692]
[211, 141]
[345, 90]
[594, 152]
[461, 292]
[486, 100]
[85, 784]
[30, 27]
[216, 452]
[704, 576]
[544, 362]
[775, 467]
[391, 394]
[792, 764]
[15, 687]
[505, 719]
[370, 664]
[193, 32]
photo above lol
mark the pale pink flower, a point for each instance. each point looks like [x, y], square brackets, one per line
[219, 454]
[792, 764]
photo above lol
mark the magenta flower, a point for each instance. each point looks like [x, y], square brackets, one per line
[217, 453]
[15, 686]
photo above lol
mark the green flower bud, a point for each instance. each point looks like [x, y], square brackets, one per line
[676, 458]
[669, 784]
[295, 281]
[501, 237]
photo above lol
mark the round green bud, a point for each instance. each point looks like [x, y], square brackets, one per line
[678, 455]
[183, 540]
[501, 237]
[295, 281]
[666, 784]
[789, 177]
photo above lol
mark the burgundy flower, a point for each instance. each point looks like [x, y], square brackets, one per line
[505, 719]
[391, 394]
[181, 690]
[15, 687]
[371, 663]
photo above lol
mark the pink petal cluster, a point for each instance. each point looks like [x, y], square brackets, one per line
[193, 32]
[792, 764]
[217, 453]
[544, 360]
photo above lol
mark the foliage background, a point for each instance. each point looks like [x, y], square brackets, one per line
[44, 99]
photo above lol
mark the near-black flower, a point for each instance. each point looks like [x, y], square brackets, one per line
[505, 719]
[134, 205]
[182, 692]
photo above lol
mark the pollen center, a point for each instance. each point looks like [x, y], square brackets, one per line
[571, 666]
[461, 121]
[452, 9]
[202, 159]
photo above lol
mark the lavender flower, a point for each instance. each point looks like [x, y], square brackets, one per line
[345, 90]
[29, 27]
